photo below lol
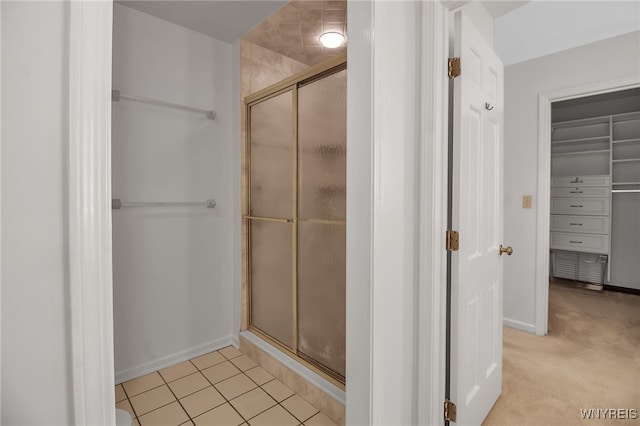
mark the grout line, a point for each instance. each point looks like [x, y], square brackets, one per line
[296, 417]
[227, 401]
[135, 413]
[176, 397]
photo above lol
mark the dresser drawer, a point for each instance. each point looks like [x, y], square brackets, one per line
[589, 243]
[581, 206]
[573, 181]
[582, 191]
[580, 224]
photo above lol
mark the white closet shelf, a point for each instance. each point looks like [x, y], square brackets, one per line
[580, 140]
[599, 151]
[629, 116]
[583, 122]
[624, 183]
[626, 160]
[623, 141]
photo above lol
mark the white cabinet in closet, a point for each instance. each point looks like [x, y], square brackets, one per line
[580, 214]
[580, 227]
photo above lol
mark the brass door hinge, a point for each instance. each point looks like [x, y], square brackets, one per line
[449, 411]
[452, 240]
[454, 67]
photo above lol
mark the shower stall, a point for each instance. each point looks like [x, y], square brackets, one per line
[294, 215]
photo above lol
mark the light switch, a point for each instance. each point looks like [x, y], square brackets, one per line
[526, 201]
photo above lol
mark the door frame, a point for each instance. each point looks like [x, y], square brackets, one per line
[89, 212]
[371, 326]
[543, 209]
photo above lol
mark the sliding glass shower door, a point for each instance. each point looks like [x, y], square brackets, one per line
[296, 218]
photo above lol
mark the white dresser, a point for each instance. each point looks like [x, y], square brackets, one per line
[581, 223]
[581, 213]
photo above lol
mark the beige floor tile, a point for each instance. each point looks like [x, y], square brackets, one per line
[223, 415]
[136, 422]
[300, 408]
[189, 384]
[235, 386]
[150, 400]
[124, 405]
[259, 375]
[201, 401]
[253, 403]
[276, 389]
[177, 371]
[169, 415]
[243, 362]
[143, 384]
[207, 360]
[276, 416]
[319, 420]
[220, 372]
[230, 352]
[120, 395]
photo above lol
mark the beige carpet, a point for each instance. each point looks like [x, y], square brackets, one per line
[589, 359]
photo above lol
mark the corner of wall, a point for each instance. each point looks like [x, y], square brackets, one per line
[236, 140]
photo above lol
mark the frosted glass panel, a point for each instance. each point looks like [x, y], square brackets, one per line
[322, 135]
[321, 293]
[271, 279]
[272, 157]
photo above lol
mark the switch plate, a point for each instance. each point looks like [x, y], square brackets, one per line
[527, 201]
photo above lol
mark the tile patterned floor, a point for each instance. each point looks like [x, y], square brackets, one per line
[223, 387]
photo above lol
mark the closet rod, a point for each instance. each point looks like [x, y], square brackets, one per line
[116, 96]
[625, 190]
[117, 203]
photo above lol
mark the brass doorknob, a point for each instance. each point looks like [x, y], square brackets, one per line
[507, 250]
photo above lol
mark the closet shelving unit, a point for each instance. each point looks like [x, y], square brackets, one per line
[625, 153]
[581, 199]
[592, 160]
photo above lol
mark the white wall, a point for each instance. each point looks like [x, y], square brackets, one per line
[173, 276]
[35, 341]
[576, 67]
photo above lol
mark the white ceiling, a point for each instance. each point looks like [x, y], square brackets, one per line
[540, 28]
[524, 29]
[499, 8]
[226, 20]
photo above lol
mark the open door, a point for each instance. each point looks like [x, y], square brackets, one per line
[476, 213]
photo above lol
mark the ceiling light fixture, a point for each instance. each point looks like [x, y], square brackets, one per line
[331, 40]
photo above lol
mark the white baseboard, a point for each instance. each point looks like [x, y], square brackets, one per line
[310, 376]
[167, 361]
[519, 325]
[235, 340]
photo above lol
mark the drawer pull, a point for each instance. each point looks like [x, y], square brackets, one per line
[577, 181]
[575, 224]
[575, 242]
[575, 192]
[575, 205]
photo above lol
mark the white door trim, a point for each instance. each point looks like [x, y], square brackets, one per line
[433, 170]
[544, 179]
[89, 221]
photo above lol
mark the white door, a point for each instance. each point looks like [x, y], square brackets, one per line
[476, 274]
